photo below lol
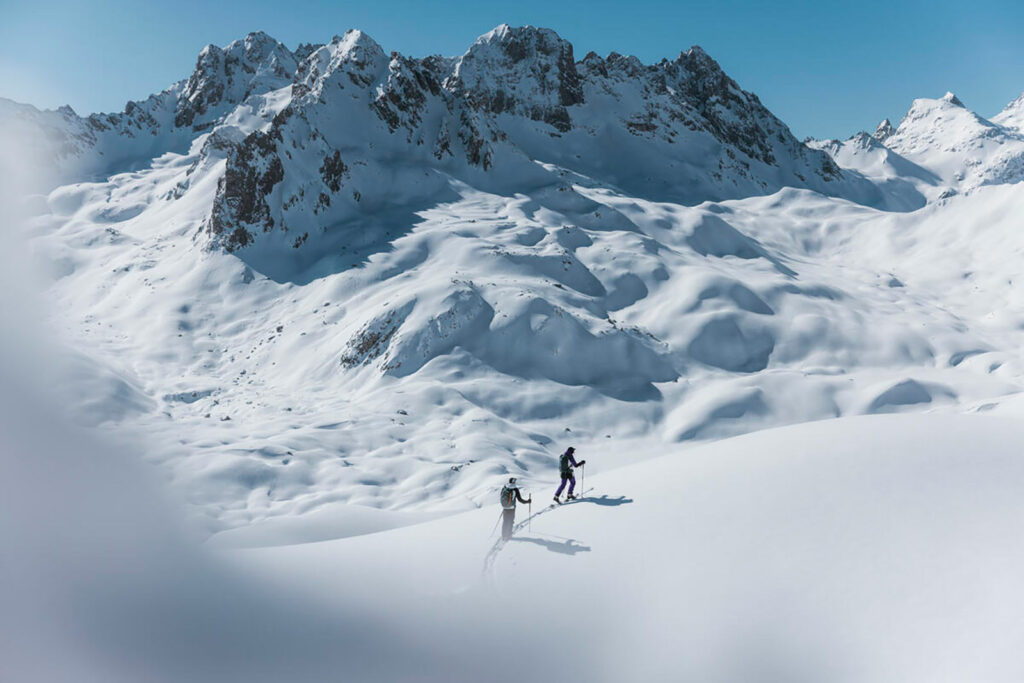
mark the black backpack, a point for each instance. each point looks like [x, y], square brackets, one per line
[508, 498]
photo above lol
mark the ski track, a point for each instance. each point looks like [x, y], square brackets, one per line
[492, 555]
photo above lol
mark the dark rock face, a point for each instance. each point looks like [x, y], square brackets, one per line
[521, 71]
[404, 95]
[332, 171]
[715, 96]
[885, 130]
[253, 169]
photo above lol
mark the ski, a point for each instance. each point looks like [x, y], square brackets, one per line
[573, 500]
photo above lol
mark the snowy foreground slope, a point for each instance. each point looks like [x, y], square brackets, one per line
[871, 548]
[336, 287]
[876, 548]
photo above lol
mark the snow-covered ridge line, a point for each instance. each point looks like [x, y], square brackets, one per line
[940, 148]
[511, 87]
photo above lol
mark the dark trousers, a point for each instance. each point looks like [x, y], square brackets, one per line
[572, 484]
[508, 520]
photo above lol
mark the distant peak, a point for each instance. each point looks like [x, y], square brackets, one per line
[952, 99]
[697, 58]
[257, 38]
[505, 32]
[354, 38]
[499, 31]
[884, 130]
[1016, 104]
[255, 45]
[356, 46]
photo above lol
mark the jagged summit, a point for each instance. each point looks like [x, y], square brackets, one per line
[1012, 116]
[952, 99]
[884, 130]
[679, 129]
[961, 147]
[353, 57]
[526, 71]
[225, 77]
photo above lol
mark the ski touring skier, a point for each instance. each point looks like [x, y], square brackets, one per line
[566, 463]
[509, 495]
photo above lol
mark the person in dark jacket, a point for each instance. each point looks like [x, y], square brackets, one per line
[566, 463]
[509, 495]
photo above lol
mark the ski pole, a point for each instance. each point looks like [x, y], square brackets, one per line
[529, 520]
[583, 480]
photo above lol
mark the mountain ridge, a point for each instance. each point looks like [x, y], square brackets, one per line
[383, 285]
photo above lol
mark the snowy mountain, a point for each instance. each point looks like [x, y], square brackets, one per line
[906, 185]
[337, 296]
[962, 147]
[515, 110]
[340, 277]
[1012, 116]
[941, 147]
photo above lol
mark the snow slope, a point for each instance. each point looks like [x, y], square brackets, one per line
[871, 548]
[876, 548]
[496, 331]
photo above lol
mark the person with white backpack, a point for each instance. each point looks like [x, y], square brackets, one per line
[509, 495]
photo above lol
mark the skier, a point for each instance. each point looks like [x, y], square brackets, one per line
[565, 464]
[509, 495]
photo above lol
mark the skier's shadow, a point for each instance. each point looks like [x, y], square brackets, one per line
[569, 546]
[607, 501]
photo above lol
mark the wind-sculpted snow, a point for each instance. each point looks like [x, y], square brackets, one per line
[384, 281]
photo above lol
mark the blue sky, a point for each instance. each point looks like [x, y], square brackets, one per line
[826, 68]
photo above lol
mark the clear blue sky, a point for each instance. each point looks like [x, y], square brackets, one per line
[827, 68]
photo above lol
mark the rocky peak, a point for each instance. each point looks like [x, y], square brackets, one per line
[733, 115]
[927, 117]
[952, 99]
[1012, 116]
[960, 146]
[304, 50]
[884, 130]
[864, 140]
[224, 77]
[352, 58]
[526, 70]
[698, 61]
[356, 47]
